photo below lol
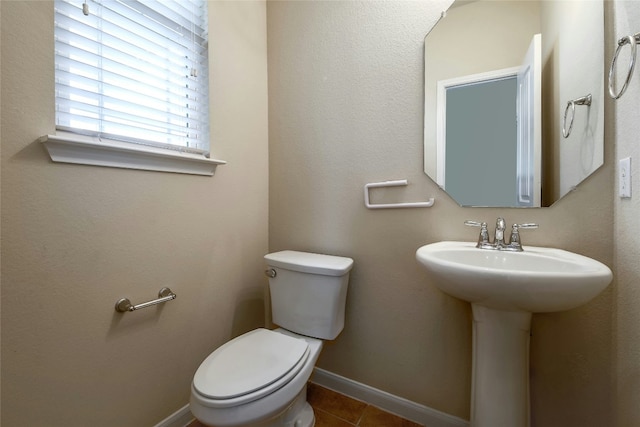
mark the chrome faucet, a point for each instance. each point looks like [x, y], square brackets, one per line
[498, 239]
[499, 243]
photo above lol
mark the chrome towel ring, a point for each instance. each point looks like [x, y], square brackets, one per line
[632, 41]
[585, 100]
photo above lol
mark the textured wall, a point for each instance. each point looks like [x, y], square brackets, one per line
[345, 100]
[76, 238]
[346, 108]
[627, 244]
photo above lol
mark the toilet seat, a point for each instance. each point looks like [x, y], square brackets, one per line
[249, 367]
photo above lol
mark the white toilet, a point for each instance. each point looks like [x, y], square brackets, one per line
[260, 378]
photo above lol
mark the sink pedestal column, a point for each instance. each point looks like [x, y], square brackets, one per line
[500, 384]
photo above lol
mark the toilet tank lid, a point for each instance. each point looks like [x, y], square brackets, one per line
[306, 262]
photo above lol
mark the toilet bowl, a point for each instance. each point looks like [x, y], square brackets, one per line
[275, 396]
[259, 379]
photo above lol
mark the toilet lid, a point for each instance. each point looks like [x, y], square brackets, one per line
[250, 362]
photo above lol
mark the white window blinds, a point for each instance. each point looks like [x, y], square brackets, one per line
[133, 70]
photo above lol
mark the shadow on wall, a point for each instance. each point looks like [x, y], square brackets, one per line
[249, 313]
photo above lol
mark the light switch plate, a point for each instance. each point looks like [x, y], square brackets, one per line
[624, 178]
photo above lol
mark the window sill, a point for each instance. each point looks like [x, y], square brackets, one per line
[91, 151]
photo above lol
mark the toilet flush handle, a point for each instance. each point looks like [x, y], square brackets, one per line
[270, 272]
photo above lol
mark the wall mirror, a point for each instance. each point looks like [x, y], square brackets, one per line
[506, 122]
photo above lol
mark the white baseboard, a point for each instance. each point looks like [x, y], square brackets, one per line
[181, 418]
[397, 405]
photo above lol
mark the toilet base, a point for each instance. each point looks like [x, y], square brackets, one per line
[298, 414]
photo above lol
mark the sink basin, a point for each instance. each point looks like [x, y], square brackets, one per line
[504, 289]
[535, 280]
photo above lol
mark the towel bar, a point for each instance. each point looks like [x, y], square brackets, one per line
[123, 305]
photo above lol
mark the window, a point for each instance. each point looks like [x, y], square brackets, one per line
[133, 75]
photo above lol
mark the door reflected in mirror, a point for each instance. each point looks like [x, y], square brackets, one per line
[498, 76]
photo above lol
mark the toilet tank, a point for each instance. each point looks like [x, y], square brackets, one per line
[308, 292]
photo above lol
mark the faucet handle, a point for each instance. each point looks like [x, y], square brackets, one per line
[526, 225]
[471, 223]
[514, 242]
[483, 238]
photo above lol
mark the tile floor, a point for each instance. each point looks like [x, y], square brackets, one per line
[333, 409]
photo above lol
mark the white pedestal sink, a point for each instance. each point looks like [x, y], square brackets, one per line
[504, 289]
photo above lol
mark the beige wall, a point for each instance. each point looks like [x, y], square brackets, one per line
[346, 108]
[627, 244]
[77, 238]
